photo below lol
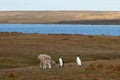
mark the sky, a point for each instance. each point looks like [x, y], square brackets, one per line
[45, 5]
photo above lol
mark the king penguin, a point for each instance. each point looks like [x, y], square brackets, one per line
[61, 62]
[78, 60]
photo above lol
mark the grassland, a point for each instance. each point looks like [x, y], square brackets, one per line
[63, 17]
[100, 56]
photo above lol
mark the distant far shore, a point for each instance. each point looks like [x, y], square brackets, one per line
[60, 17]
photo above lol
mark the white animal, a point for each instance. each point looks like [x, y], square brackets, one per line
[78, 60]
[61, 62]
[46, 61]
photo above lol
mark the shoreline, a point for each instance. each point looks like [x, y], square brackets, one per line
[89, 35]
[92, 22]
[81, 22]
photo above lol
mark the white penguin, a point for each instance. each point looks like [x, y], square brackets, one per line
[61, 62]
[78, 60]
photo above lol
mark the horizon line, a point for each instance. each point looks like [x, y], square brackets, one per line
[63, 10]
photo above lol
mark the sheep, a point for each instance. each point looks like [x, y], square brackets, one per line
[46, 61]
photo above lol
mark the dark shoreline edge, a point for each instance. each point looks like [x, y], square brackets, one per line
[89, 35]
[92, 22]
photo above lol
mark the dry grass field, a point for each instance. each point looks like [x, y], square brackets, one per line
[100, 56]
[71, 17]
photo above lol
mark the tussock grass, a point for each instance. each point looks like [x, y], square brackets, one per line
[18, 56]
[24, 48]
[71, 69]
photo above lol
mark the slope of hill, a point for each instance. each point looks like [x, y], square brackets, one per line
[100, 56]
[66, 17]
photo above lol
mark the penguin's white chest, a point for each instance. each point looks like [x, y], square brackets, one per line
[61, 61]
[79, 61]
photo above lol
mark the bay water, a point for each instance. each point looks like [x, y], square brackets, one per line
[111, 30]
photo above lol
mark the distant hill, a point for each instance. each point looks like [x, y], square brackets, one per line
[62, 17]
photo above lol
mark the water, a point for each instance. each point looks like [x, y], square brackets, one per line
[112, 30]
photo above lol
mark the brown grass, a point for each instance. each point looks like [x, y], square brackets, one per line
[18, 56]
[99, 66]
[70, 72]
[83, 17]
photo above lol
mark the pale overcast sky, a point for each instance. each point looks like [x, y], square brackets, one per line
[102, 5]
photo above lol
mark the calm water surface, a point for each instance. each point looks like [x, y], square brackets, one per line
[112, 30]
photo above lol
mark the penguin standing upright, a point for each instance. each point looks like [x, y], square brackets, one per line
[61, 62]
[78, 60]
